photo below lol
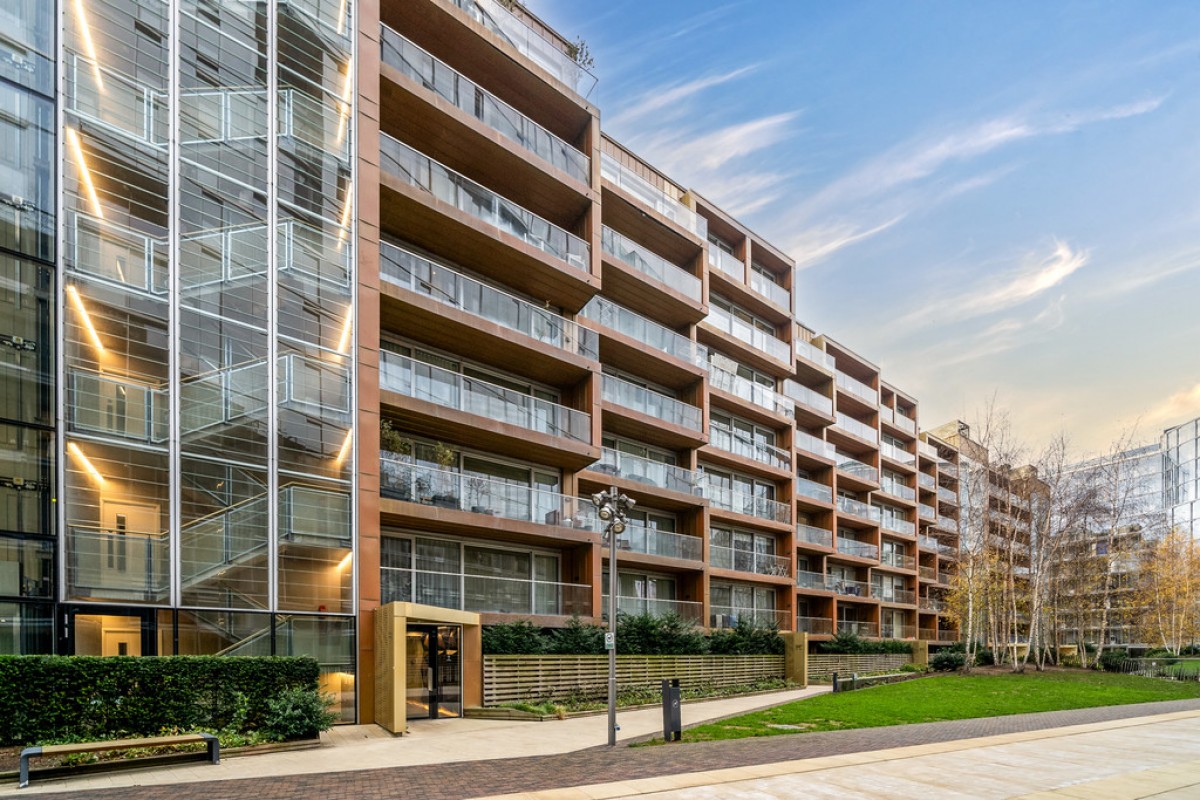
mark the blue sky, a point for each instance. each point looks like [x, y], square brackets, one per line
[983, 198]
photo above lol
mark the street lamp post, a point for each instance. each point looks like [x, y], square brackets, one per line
[612, 507]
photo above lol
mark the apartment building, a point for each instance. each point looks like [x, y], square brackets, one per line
[348, 307]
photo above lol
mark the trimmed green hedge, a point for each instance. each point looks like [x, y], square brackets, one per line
[87, 697]
[637, 634]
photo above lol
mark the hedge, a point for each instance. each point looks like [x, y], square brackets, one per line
[88, 697]
[637, 634]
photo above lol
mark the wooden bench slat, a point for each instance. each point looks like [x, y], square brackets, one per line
[117, 744]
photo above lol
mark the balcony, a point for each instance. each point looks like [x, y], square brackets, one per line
[808, 398]
[646, 471]
[894, 596]
[932, 605]
[813, 490]
[739, 444]
[848, 588]
[947, 495]
[948, 469]
[927, 450]
[856, 429]
[927, 481]
[858, 627]
[459, 392]
[486, 594]
[114, 406]
[928, 573]
[652, 542]
[814, 626]
[730, 616]
[808, 352]
[749, 561]
[645, 331]
[749, 504]
[726, 263]
[443, 184]
[813, 581]
[636, 606]
[900, 526]
[810, 444]
[899, 455]
[857, 508]
[748, 334]
[105, 250]
[651, 196]
[897, 420]
[890, 631]
[898, 560]
[810, 534]
[650, 264]
[856, 388]
[927, 543]
[857, 549]
[115, 102]
[467, 96]
[409, 271]
[532, 39]
[857, 469]
[118, 566]
[897, 489]
[943, 578]
[401, 479]
[761, 396]
[773, 292]
[926, 512]
[651, 403]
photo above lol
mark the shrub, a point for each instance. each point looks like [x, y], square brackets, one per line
[947, 660]
[52, 697]
[520, 638]
[577, 639]
[298, 714]
[666, 635]
[914, 668]
[984, 657]
[745, 639]
[852, 644]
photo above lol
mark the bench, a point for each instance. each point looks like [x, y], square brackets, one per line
[214, 748]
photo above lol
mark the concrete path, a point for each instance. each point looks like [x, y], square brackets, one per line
[367, 747]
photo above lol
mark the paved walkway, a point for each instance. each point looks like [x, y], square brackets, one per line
[1068, 757]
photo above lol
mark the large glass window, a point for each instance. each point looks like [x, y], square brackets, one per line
[26, 629]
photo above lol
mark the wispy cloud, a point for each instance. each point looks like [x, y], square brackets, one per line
[1146, 274]
[656, 99]
[1179, 407]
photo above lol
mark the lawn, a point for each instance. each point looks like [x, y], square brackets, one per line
[947, 697]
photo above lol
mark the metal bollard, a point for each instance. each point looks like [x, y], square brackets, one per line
[672, 716]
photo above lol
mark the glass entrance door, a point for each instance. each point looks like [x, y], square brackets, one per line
[433, 672]
[101, 631]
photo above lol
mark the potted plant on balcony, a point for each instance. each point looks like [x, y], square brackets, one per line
[446, 495]
[481, 495]
[396, 465]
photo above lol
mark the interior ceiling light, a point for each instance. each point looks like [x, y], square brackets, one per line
[89, 47]
[85, 174]
[84, 317]
[74, 450]
[347, 329]
[344, 450]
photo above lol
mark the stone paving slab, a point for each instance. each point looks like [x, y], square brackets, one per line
[457, 779]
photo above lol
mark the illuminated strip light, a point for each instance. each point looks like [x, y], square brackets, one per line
[344, 112]
[341, 23]
[85, 174]
[347, 206]
[77, 301]
[345, 449]
[345, 562]
[347, 329]
[74, 450]
[85, 32]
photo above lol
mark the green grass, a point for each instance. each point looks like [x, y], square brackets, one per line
[944, 698]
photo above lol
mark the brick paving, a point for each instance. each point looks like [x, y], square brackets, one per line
[466, 779]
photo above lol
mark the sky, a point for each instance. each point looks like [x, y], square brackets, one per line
[989, 200]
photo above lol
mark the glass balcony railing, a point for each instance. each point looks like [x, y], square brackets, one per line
[731, 616]
[749, 504]
[814, 626]
[744, 332]
[811, 534]
[651, 196]
[896, 489]
[927, 573]
[926, 512]
[106, 250]
[897, 454]
[454, 390]
[647, 471]
[761, 396]
[809, 352]
[439, 77]
[488, 594]
[927, 543]
[858, 627]
[857, 508]
[118, 566]
[532, 39]
[926, 481]
[853, 547]
[814, 446]
[402, 479]
[899, 420]
[814, 490]
[113, 406]
[855, 428]
[446, 185]
[115, 102]
[900, 526]
[815, 581]
[636, 606]
[772, 291]
[892, 631]
[947, 495]
[898, 560]
[649, 402]
[749, 561]
[943, 578]
[726, 263]
[420, 275]
[927, 450]
[650, 264]
[805, 396]
[645, 331]
[652, 542]
[848, 588]
[852, 466]
[932, 604]
[856, 387]
[740, 444]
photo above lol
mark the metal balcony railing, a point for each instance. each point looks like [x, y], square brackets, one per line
[761, 396]
[750, 504]
[652, 196]
[858, 627]
[648, 263]
[853, 547]
[748, 334]
[811, 580]
[645, 331]
[848, 588]
[749, 561]
[647, 471]
[740, 444]
[814, 626]
[814, 535]
[731, 616]
[647, 401]
[813, 490]
[685, 609]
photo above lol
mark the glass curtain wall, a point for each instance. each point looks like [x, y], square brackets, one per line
[207, 320]
[27, 347]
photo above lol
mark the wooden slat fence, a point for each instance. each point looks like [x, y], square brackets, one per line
[509, 679]
[822, 665]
